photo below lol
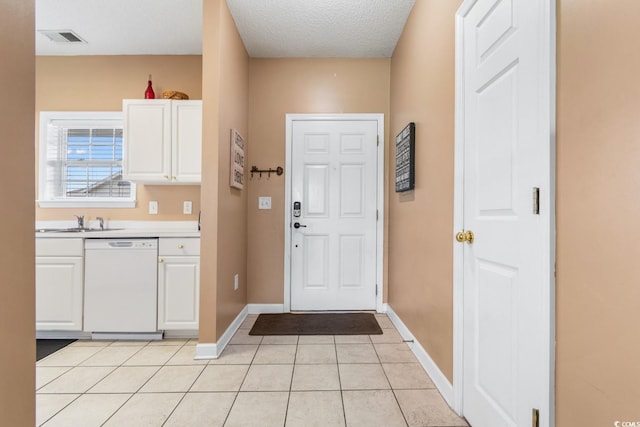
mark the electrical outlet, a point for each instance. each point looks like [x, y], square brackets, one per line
[187, 207]
[235, 282]
[153, 207]
[264, 202]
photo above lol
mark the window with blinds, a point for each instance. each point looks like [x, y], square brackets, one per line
[81, 161]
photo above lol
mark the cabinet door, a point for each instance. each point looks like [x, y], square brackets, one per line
[147, 141]
[186, 117]
[178, 292]
[59, 286]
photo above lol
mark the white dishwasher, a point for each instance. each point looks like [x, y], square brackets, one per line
[121, 286]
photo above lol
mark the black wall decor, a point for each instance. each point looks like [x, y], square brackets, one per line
[405, 158]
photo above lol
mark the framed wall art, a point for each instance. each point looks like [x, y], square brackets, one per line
[236, 169]
[405, 158]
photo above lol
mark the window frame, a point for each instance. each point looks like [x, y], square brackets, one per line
[46, 200]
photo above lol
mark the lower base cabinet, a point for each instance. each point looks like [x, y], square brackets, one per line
[59, 284]
[178, 283]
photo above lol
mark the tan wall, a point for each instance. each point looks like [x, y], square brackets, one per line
[17, 312]
[232, 202]
[209, 185]
[100, 83]
[278, 87]
[421, 221]
[224, 210]
[598, 284]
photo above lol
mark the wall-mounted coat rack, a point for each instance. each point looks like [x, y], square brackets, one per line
[278, 171]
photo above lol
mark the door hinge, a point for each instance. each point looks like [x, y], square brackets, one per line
[535, 418]
[377, 214]
[376, 289]
[536, 201]
[377, 140]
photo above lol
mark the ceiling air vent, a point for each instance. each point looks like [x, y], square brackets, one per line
[62, 36]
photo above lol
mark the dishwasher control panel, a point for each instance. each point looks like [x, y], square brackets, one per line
[91, 244]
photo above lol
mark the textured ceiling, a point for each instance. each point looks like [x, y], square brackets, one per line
[320, 28]
[269, 28]
[121, 27]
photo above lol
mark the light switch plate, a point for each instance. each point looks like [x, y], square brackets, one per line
[153, 207]
[187, 207]
[264, 202]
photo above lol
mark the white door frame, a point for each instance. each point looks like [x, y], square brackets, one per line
[547, 208]
[290, 118]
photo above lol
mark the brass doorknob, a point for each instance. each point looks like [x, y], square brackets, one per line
[465, 236]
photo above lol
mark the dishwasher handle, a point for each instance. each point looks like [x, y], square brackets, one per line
[121, 244]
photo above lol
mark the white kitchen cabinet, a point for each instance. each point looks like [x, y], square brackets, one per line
[59, 284]
[162, 141]
[178, 283]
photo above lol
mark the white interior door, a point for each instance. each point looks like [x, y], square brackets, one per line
[333, 247]
[506, 157]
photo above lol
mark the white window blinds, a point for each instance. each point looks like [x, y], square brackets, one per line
[81, 160]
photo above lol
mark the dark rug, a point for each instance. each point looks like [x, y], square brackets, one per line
[46, 347]
[316, 324]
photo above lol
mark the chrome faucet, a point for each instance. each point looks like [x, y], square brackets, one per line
[80, 220]
[101, 222]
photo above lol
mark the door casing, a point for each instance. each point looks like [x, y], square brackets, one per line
[289, 119]
[548, 95]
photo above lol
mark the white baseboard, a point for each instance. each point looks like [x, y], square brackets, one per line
[265, 308]
[214, 350]
[206, 351]
[439, 379]
[384, 308]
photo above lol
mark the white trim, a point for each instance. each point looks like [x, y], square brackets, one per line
[214, 350]
[93, 203]
[206, 351]
[265, 308]
[439, 379]
[458, 212]
[548, 88]
[548, 211]
[290, 118]
[233, 327]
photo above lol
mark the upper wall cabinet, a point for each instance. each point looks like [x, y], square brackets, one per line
[162, 141]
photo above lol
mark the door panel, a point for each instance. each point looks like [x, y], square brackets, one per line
[316, 191]
[333, 253]
[503, 275]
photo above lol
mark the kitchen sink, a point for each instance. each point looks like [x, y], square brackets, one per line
[73, 230]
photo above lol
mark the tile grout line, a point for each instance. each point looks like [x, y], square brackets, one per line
[139, 388]
[344, 411]
[190, 387]
[293, 370]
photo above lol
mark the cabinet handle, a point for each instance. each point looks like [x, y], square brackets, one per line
[180, 246]
[166, 177]
[174, 178]
[160, 260]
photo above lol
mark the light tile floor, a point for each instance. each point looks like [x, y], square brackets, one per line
[306, 381]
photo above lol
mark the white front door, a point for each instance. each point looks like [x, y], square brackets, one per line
[507, 136]
[333, 214]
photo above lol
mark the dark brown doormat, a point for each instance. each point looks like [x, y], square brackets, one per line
[316, 324]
